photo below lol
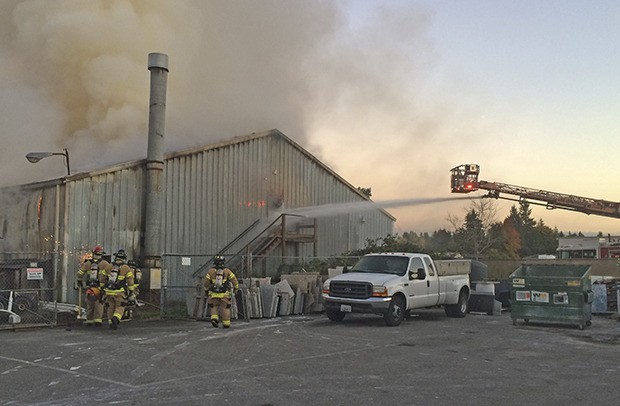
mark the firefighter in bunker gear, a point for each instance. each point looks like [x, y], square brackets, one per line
[219, 282]
[92, 275]
[132, 300]
[118, 287]
[137, 276]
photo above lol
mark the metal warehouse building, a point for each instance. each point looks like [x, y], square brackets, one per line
[172, 213]
[238, 198]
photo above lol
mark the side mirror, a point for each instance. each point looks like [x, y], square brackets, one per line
[420, 274]
[345, 269]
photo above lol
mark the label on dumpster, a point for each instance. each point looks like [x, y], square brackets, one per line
[560, 298]
[540, 297]
[523, 295]
[518, 282]
[574, 283]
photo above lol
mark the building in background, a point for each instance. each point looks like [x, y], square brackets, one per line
[588, 247]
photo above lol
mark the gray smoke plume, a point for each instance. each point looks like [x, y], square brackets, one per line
[75, 73]
[348, 80]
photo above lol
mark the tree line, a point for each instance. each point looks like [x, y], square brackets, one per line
[478, 235]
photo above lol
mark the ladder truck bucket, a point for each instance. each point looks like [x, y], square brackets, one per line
[464, 178]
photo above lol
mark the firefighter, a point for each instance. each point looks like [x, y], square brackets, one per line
[132, 301]
[137, 276]
[92, 275]
[219, 282]
[118, 288]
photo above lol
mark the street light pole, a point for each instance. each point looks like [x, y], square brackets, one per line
[34, 157]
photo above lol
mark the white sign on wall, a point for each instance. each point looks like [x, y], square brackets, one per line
[34, 274]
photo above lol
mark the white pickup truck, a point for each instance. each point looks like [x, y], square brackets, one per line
[393, 284]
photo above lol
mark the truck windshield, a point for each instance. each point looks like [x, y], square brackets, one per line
[382, 264]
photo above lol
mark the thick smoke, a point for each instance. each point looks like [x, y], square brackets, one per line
[350, 81]
[77, 74]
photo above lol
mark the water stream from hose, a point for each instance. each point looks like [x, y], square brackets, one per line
[333, 209]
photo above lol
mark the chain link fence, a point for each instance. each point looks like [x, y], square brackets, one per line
[28, 290]
[182, 293]
[29, 287]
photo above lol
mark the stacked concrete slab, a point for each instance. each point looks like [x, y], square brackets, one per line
[287, 298]
[296, 293]
[308, 287]
[269, 300]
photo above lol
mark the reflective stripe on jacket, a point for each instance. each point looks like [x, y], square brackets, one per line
[94, 273]
[118, 280]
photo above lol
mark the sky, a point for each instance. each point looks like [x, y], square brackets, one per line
[389, 94]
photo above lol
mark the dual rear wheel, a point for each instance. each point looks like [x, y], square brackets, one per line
[459, 309]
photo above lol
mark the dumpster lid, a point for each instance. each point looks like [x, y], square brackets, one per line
[552, 270]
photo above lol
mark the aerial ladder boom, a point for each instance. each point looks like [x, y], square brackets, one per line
[464, 179]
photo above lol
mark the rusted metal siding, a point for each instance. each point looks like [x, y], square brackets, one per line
[28, 218]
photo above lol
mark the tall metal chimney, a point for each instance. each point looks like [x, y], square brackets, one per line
[158, 65]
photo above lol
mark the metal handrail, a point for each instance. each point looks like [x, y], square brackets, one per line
[230, 244]
[245, 232]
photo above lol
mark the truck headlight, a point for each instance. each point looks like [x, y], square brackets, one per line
[326, 287]
[379, 291]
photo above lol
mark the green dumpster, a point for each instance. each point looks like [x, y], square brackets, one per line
[555, 293]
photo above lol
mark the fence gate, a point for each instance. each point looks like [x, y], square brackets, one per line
[27, 291]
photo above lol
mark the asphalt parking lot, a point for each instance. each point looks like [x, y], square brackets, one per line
[429, 359]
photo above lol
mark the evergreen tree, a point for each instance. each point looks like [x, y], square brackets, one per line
[511, 237]
[478, 236]
[545, 239]
[498, 241]
[442, 241]
[471, 237]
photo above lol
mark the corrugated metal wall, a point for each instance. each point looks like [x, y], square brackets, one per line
[304, 182]
[213, 195]
[28, 218]
[106, 209]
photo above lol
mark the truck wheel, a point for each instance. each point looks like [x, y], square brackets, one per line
[460, 308]
[335, 315]
[395, 313]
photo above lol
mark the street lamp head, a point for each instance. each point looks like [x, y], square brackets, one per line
[35, 157]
